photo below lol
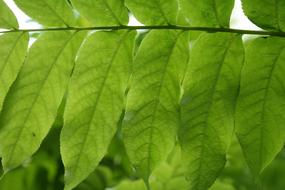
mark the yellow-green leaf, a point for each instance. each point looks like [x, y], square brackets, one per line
[207, 107]
[48, 12]
[7, 18]
[154, 12]
[12, 52]
[31, 104]
[208, 13]
[95, 102]
[267, 14]
[260, 114]
[151, 119]
[103, 12]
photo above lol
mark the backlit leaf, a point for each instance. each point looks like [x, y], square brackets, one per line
[152, 12]
[95, 102]
[260, 114]
[31, 104]
[207, 107]
[7, 18]
[267, 14]
[12, 52]
[48, 12]
[210, 13]
[151, 120]
[103, 12]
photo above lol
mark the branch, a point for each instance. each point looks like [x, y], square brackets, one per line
[166, 27]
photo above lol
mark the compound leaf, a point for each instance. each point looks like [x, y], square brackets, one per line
[31, 104]
[261, 104]
[207, 107]
[95, 102]
[151, 120]
[12, 52]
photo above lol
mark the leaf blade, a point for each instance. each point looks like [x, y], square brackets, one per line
[208, 13]
[12, 52]
[260, 107]
[102, 73]
[154, 12]
[268, 15]
[207, 106]
[103, 12]
[32, 102]
[150, 123]
[7, 18]
[48, 12]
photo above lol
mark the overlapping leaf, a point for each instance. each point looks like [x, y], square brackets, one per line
[7, 18]
[154, 12]
[95, 102]
[207, 107]
[103, 12]
[267, 14]
[31, 104]
[210, 13]
[260, 114]
[151, 120]
[48, 12]
[12, 52]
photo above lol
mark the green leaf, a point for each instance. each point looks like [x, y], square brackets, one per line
[207, 107]
[95, 102]
[12, 52]
[7, 18]
[154, 12]
[103, 12]
[151, 120]
[31, 104]
[267, 14]
[48, 12]
[208, 13]
[260, 109]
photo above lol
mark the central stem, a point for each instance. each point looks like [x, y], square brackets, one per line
[163, 27]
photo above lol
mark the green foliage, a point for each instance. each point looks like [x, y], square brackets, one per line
[215, 13]
[48, 12]
[103, 12]
[266, 14]
[32, 102]
[12, 52]
[152, 119]
[7, 18]
[101, 73]
[260, 106]
[207, 106]
[158, 12]
[159, 109]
